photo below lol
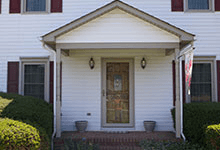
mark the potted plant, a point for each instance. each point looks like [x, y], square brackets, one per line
[81, 125]
[149, 125]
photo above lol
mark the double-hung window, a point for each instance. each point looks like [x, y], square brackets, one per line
[198, 5]
[34, 78]
[203, 82]
[35, 6]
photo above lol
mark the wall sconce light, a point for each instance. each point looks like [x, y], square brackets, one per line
[91, 63]
[143, 63]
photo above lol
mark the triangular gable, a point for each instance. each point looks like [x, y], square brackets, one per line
[117, 26]
[184, 36]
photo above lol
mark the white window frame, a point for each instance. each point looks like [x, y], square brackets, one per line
[211, 60]
[24, 11]
[211, 7]
[36, 61]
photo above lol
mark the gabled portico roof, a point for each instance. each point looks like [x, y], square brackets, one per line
[184, 37]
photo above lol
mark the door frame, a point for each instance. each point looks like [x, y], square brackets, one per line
[131, 94]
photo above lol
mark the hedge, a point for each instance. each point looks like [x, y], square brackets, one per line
[32, 111]
[213, 136]
[18, 135]
[25, 108]
[196, 117]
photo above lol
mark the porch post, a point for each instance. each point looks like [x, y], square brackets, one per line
[177, 112]
[58, 99]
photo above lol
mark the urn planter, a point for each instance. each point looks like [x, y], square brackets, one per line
[149, 125]
[81, 125]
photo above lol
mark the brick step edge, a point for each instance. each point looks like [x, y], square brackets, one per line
[103, 141]
[120, 148]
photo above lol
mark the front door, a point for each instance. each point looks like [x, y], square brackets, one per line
[117, 93]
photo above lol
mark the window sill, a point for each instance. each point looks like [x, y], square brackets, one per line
[198, 11]
[35, 13]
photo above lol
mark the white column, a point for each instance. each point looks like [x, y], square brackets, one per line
[58, 98]
[177, 112]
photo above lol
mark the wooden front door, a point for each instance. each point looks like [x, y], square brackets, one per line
[117, 93]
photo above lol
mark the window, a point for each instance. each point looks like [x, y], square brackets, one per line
[198, 5]
[203, 83]
[35, 5]
[35, 78]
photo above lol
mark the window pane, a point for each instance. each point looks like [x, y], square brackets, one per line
[34, 80]
[35, 5]
[198, 4]
[201, 83]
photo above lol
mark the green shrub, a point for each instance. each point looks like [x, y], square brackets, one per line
[169, 145]
[213, 136]
[196, 117]
[28, 108]
[18, 135]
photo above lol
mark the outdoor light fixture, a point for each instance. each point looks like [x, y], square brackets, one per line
[91, 63]
[143, 63]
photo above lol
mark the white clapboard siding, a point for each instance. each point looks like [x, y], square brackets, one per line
[20, 36]
[117, 26]
[82, 88]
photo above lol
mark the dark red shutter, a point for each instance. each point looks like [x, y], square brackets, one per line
[61, 81]
[13, 77]
[15, 6]
[51, 81]
[183, 81]
[56, 6]
[177, 5]
[218, 79]
[174, 82]
[217, 5]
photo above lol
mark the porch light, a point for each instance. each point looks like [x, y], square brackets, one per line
[143, 63]
[91, 63]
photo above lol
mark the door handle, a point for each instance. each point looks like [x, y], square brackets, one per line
[103, 92]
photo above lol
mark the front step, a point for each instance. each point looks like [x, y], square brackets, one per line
[113, 141]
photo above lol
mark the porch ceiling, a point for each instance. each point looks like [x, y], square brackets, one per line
[117, 25]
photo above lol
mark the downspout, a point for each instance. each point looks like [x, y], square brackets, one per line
[54, 93]
[181, 99]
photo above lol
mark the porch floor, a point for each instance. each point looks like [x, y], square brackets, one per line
[114, 140]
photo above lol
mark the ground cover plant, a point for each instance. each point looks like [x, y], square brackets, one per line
[70, 144]
[27, 111]
[169, 145]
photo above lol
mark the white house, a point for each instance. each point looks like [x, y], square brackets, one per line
[99, 49]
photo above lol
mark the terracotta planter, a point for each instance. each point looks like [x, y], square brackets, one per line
[81, 125]
[149, 125]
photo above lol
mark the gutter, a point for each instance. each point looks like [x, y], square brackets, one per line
[54, 92]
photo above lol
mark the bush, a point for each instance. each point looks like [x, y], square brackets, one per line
[196, 117]
[169, 145]
[213, 136]
[18, 135]
[25, 108]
